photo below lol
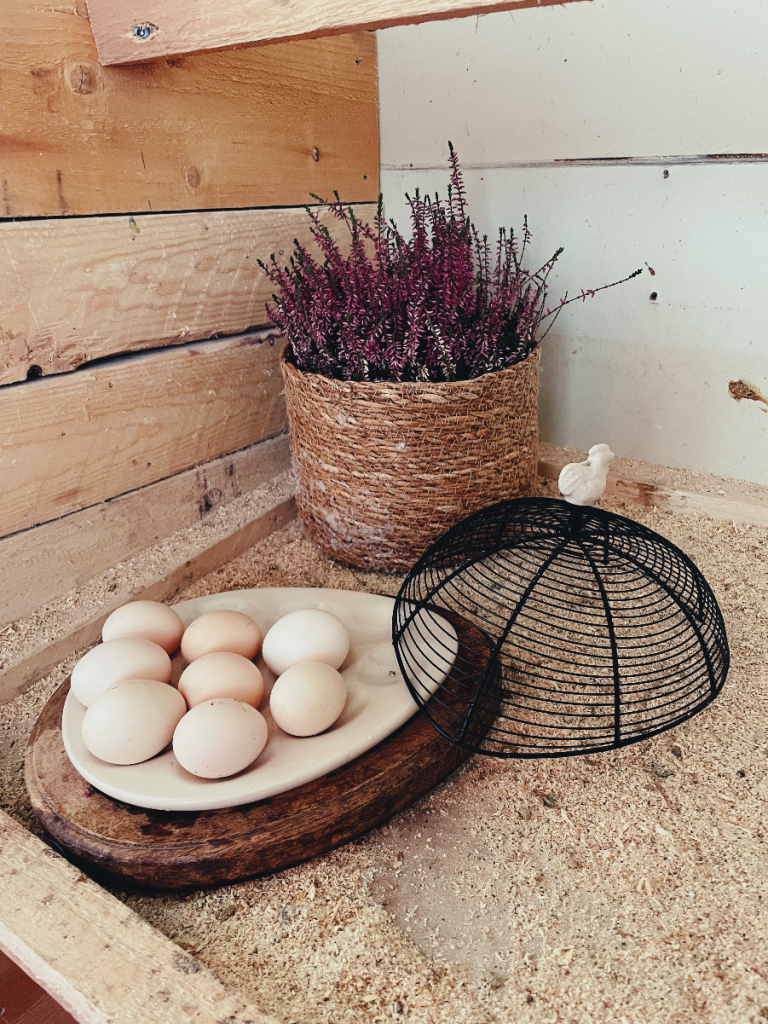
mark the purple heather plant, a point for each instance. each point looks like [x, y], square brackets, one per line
[442, 306]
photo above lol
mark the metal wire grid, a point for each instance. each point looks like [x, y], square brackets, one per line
[578, 631]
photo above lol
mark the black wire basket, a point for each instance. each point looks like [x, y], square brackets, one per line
[536, 628]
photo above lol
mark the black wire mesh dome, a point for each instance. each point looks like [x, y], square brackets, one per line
[536, 628]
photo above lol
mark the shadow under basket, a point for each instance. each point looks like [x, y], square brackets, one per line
[593, 632]
[386, 468]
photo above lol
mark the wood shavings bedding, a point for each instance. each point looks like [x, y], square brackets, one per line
[53, 619]
[628, 887]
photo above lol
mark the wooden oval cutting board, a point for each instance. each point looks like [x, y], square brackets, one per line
[175, 850]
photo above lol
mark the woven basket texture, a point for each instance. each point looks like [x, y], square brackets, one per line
[384, 469]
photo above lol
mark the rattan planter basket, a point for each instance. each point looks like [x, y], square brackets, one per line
[384, 469]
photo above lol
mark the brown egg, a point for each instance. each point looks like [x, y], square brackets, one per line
[308, 698]
[221, 631]
[221, 674]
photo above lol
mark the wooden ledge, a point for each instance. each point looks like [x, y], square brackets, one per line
[131, 31]
[672, 490]
[23, 673]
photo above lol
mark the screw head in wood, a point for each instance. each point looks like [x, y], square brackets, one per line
[143, 31]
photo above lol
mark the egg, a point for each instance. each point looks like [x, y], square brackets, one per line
[308, 698]
[309, 634]
[221, 631]
[221, 674]
[116, 660]
[148, 620]
[219, 738]
[132, 721]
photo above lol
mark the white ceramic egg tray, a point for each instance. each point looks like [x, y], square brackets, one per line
[378, 702]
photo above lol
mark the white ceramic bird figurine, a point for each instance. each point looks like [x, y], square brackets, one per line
[582, 483]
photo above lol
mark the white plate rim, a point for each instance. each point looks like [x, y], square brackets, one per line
[121, 782]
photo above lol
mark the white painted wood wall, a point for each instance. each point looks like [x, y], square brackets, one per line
[600, 120]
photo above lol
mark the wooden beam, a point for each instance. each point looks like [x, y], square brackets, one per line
[128, 31]
[255, 128]
[77, 290]
[71, 441]
[646, 488]
[97, 958]
[33, 666]
[49, 561]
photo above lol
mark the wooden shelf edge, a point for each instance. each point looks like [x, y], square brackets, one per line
[643, 490]
[144, 30]
[27, 670]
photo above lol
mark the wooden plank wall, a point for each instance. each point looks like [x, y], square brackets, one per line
[134, 204]
[254, 128]
[91, 435]
[84, 288]
[82, 544]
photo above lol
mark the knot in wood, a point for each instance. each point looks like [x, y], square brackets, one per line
[185, 964]
[210, 499]
[83, 79]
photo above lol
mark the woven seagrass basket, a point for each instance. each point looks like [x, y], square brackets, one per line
[385, 469]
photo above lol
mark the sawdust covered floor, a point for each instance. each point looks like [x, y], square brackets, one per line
[627, 887]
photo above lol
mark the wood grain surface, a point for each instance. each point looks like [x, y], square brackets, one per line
[127, 31]
[96, 957]
[71, 441]
[48, 561]
[172, 850]
[32, 666]
[82, 289]
[256, 128]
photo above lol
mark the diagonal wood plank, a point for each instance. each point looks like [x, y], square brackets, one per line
[96, 957]
[212, 132]
[128, 31]
[74, 290]
[31, 667]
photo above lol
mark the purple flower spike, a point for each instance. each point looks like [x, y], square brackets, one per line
[444, 305]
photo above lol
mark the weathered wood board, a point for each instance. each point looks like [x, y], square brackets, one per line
[48, 561]
[182, 850]
[255, 128]
[96, 957]
[31, 667]
[74, 290]
[127, 31]
[71, 441]
[650, 490]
